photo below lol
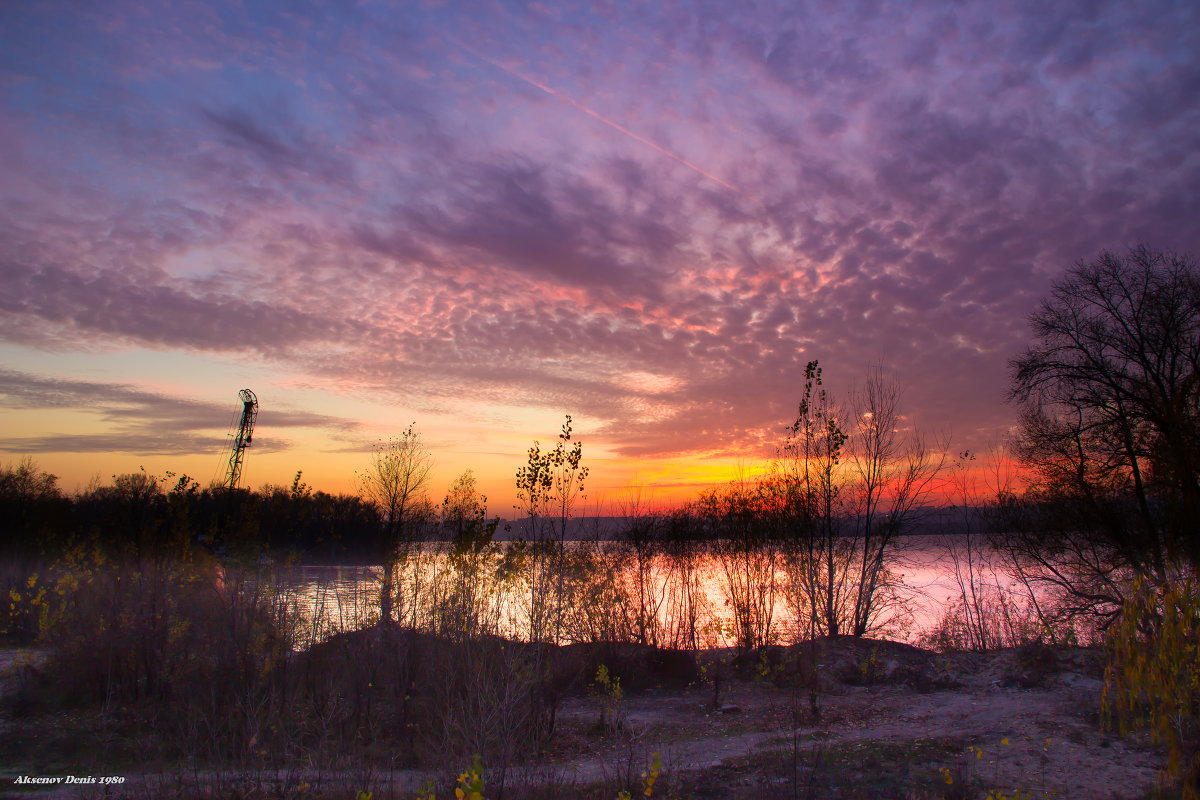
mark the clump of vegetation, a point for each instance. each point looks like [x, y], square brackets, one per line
[870, 669]
[175, 641]
[607, 688]
[649, 778]
[470, 783]
[1152, 679]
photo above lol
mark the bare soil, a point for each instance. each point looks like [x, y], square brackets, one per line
[894, 721]
[892, 717]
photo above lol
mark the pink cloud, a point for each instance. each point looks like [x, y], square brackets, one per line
[366, 204]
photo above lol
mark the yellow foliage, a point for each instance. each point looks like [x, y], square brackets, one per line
[608, 690]
[1152, 680]
[470, 783]
[648, 780]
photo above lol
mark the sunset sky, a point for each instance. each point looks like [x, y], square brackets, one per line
[483, 216]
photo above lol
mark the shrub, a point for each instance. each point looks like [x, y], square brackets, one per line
[1152, 679]
[198, 650]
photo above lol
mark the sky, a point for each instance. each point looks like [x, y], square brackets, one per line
[481, 217]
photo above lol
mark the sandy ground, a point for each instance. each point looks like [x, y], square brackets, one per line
[1032, 715]
[13, 657]
[1034, 718]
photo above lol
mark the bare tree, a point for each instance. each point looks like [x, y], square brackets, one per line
[464, 509]
[893, 473]
[467, 604]
[986, 614]
[567, 477]
[684, 552]
[534, 482]
[741, 535]
[395, 482]
[566, 489]
[808, 485]
[551, 482]
[850, 478]
[1110, 425]
[640, 552]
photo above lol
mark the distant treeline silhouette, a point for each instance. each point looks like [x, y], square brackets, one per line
[140, 514]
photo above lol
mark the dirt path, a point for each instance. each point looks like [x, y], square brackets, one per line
[1041, 738]
[13, 658]
[1053, 742]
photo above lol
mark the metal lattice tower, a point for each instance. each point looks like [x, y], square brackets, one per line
[242, 440]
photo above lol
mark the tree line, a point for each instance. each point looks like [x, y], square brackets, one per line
[139, 514]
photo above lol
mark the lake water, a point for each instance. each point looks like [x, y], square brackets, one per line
[926, 585]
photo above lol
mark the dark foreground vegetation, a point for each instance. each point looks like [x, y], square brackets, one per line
[158, 642]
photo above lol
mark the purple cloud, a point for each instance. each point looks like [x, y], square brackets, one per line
[138, 421]
[649, 217]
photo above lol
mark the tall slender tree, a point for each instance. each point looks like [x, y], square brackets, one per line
[893, 474]
[395, 482]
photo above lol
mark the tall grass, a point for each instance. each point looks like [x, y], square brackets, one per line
[199, 654]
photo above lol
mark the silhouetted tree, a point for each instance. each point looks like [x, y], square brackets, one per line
[809, 489]
[1110, 424]
[466, 590]
[551, 482]
[639, 555]
[32, 508]
[739, 522]
[893, 475]
[395, 482]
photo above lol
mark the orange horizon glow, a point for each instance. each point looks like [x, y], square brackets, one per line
[615, 486]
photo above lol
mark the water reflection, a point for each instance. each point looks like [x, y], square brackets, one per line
[928, 580]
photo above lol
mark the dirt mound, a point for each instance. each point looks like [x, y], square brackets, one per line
[571, 668]
[639, 667]
[849, 661]
[855, 661]
[1032, 666]
[839, 661]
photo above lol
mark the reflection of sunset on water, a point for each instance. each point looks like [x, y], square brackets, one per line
[345, 598]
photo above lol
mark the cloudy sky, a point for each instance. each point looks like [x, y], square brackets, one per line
[483, 216]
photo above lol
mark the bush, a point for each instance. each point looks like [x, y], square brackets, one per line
[1152, 679]
[197, 652]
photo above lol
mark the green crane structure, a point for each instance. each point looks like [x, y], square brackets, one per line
[243, 438]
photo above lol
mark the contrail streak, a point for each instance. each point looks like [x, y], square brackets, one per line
[597, 115]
